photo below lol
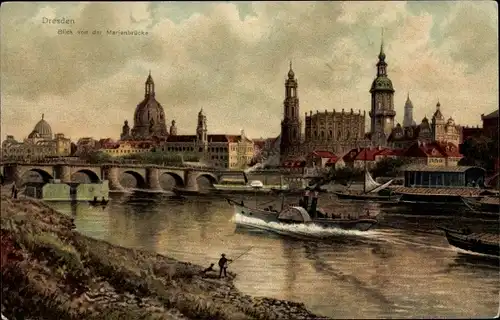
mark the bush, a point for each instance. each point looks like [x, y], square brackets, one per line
[389, 167]
[98, 157]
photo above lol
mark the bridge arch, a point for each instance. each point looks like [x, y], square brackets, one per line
[94, 178]
[140, 180]
[179, 181]
[210, 177]
[46, 177]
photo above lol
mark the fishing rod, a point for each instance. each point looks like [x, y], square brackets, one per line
[241, 255]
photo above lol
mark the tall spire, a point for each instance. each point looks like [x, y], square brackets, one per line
[43, 115]
[381, 55]
[291, 74]
[149, 89]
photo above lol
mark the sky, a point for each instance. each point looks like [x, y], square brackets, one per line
[231, 59]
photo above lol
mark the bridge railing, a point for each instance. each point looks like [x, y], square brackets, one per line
[135, 164]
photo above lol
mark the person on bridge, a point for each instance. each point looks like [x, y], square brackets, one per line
[223, 263]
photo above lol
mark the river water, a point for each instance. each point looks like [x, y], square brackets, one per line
[401, 268]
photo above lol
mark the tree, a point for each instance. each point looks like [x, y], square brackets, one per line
[479, 151]
[388, 167]
[73, 148]
[344, 175]
[98, 157]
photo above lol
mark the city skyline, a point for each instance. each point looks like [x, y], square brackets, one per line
[231, 58]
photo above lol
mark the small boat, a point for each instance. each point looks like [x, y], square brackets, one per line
[372, 190]
[483, 204]
[482, 243]
[303, 214]
[244, 186]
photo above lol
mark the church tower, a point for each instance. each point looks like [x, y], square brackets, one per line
[408, 118]
[382, 103]
[291, 125]
[438, 123]
[201, 132]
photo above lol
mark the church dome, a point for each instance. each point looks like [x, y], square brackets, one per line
[42, 130]
[147, 111]
[149, 116]
[382, 83]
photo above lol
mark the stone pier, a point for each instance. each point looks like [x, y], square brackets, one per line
[153, 179]
[62, 173]
[190, 180]
[11, 174]
[112, 174]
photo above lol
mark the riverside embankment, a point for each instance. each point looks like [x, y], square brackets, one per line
[51, 271]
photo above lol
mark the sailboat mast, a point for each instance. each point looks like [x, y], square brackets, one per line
[364, 177]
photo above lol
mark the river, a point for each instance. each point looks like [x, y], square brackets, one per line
[402, 268]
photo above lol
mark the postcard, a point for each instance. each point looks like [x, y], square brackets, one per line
[249, 160]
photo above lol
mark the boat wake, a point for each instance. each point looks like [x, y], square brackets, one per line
[302, 231]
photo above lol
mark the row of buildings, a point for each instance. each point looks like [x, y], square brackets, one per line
[420, 153]
[330, 132]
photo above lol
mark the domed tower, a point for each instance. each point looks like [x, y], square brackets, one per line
[173, 129]
[291, 125]
[42, 130]
[382, 103]
[149, 116]
[201, 132]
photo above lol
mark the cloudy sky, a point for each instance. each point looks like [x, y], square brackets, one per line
[231, 59]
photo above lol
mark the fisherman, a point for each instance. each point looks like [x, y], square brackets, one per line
[211, 268]
[223, 263]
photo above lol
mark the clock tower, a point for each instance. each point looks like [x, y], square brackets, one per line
[382, 103]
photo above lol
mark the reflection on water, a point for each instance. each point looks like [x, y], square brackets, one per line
[403, 268]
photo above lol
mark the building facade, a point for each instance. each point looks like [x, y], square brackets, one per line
[219, 150]
[39, 144]
[329, 131]
[490, 125]
[126, 148]
[438, 129]
[149, 117]
[334, 131]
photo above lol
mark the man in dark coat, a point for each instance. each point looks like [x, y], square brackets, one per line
[223, 262]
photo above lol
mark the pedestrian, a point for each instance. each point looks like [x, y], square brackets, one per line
[13, 191]
[223, 263]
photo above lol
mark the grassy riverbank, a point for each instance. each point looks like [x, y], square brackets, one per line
[50, 271]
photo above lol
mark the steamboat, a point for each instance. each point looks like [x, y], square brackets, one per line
[303, 214]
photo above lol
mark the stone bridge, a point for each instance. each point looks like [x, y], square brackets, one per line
[147, 176]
